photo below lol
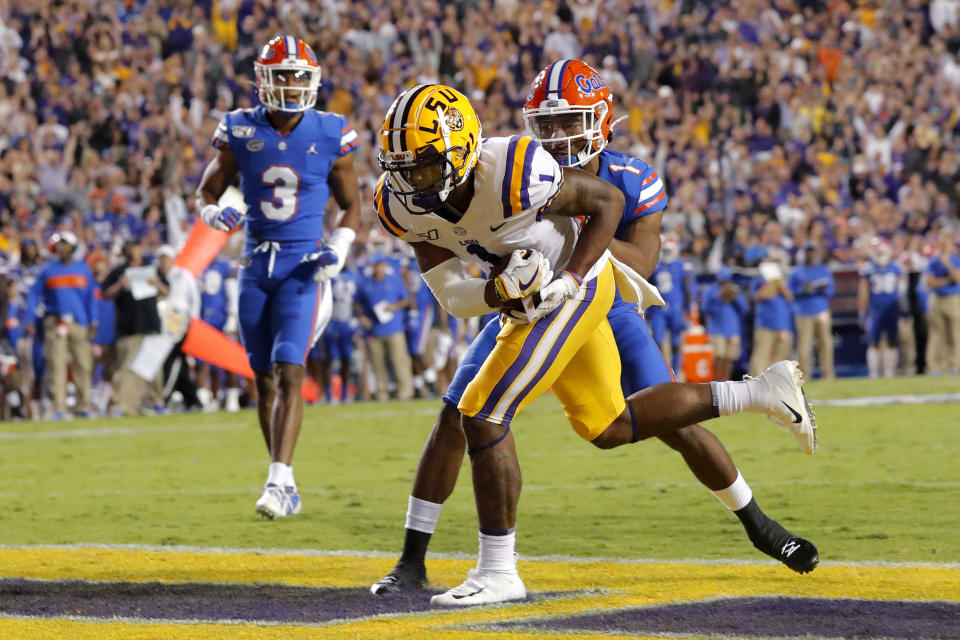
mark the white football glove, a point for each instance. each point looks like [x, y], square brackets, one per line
[222, 219]
[331, 258]
[557, 292]
[525, 274]
[525, 315]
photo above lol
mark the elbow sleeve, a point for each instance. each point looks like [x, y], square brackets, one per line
[460, 297]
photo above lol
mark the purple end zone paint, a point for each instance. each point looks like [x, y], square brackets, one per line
[772, 618]
[266, 603]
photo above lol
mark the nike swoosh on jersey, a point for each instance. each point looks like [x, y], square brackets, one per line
[497, 228]
[797, 418]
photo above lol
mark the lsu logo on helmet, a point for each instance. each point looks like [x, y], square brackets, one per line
[429, 143]
[569, 110]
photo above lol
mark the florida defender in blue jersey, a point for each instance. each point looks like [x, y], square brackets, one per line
[878, 304]
[290, 159]
[577, 135]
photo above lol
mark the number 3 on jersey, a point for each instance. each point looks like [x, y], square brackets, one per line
[283, 202]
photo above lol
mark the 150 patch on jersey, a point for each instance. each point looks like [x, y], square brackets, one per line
[242, 131]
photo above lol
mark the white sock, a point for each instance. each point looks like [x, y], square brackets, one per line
[496, 552]
[890, 358]
[737, 495]
[873, 362]
[277, 474]
[731, 397]
[430, 376]
[418, 382]
[289, 481]
[422, 515]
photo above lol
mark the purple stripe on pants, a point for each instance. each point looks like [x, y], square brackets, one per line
[526, 352]
[557, 345]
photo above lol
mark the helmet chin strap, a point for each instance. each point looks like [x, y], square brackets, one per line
[445, 134]
[617, 121]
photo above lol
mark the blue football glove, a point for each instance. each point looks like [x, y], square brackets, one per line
[223, 219]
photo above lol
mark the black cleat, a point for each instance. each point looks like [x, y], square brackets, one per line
[769, 536]
[799, 554]
[403, 577]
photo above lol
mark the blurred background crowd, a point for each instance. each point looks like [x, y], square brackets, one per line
[790, 134]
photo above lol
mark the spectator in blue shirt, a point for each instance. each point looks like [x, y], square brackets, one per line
[812, 286]
[773, 322]
[943, 282]
[67, 289]
[723, 309]
[381, 297]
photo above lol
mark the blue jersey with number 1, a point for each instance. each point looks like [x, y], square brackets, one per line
[284, 177]
[642, 365]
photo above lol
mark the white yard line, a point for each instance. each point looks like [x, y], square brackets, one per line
[104, 432]
[256, 490]
[320, 553]
[110, 432]
[878, 401]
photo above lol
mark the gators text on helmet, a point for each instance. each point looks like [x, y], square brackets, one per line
[570, 111]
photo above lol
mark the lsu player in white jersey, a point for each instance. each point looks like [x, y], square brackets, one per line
[576, 132]
[456, 198]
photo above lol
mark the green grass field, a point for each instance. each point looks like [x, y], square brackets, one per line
[884, 486]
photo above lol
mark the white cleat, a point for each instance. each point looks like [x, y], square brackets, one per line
[483, 587]
[278, 502]
[788, 403]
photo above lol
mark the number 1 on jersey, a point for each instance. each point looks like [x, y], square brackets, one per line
[286, 183]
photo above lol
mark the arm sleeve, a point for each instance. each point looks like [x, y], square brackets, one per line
[459, 296]
[221, 137]
[649, 191]
[349, 139]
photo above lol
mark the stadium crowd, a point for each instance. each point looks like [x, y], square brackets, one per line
[790, 134]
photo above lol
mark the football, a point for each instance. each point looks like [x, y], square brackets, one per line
[515, 306]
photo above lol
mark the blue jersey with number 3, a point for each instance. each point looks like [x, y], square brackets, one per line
[284, 177]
